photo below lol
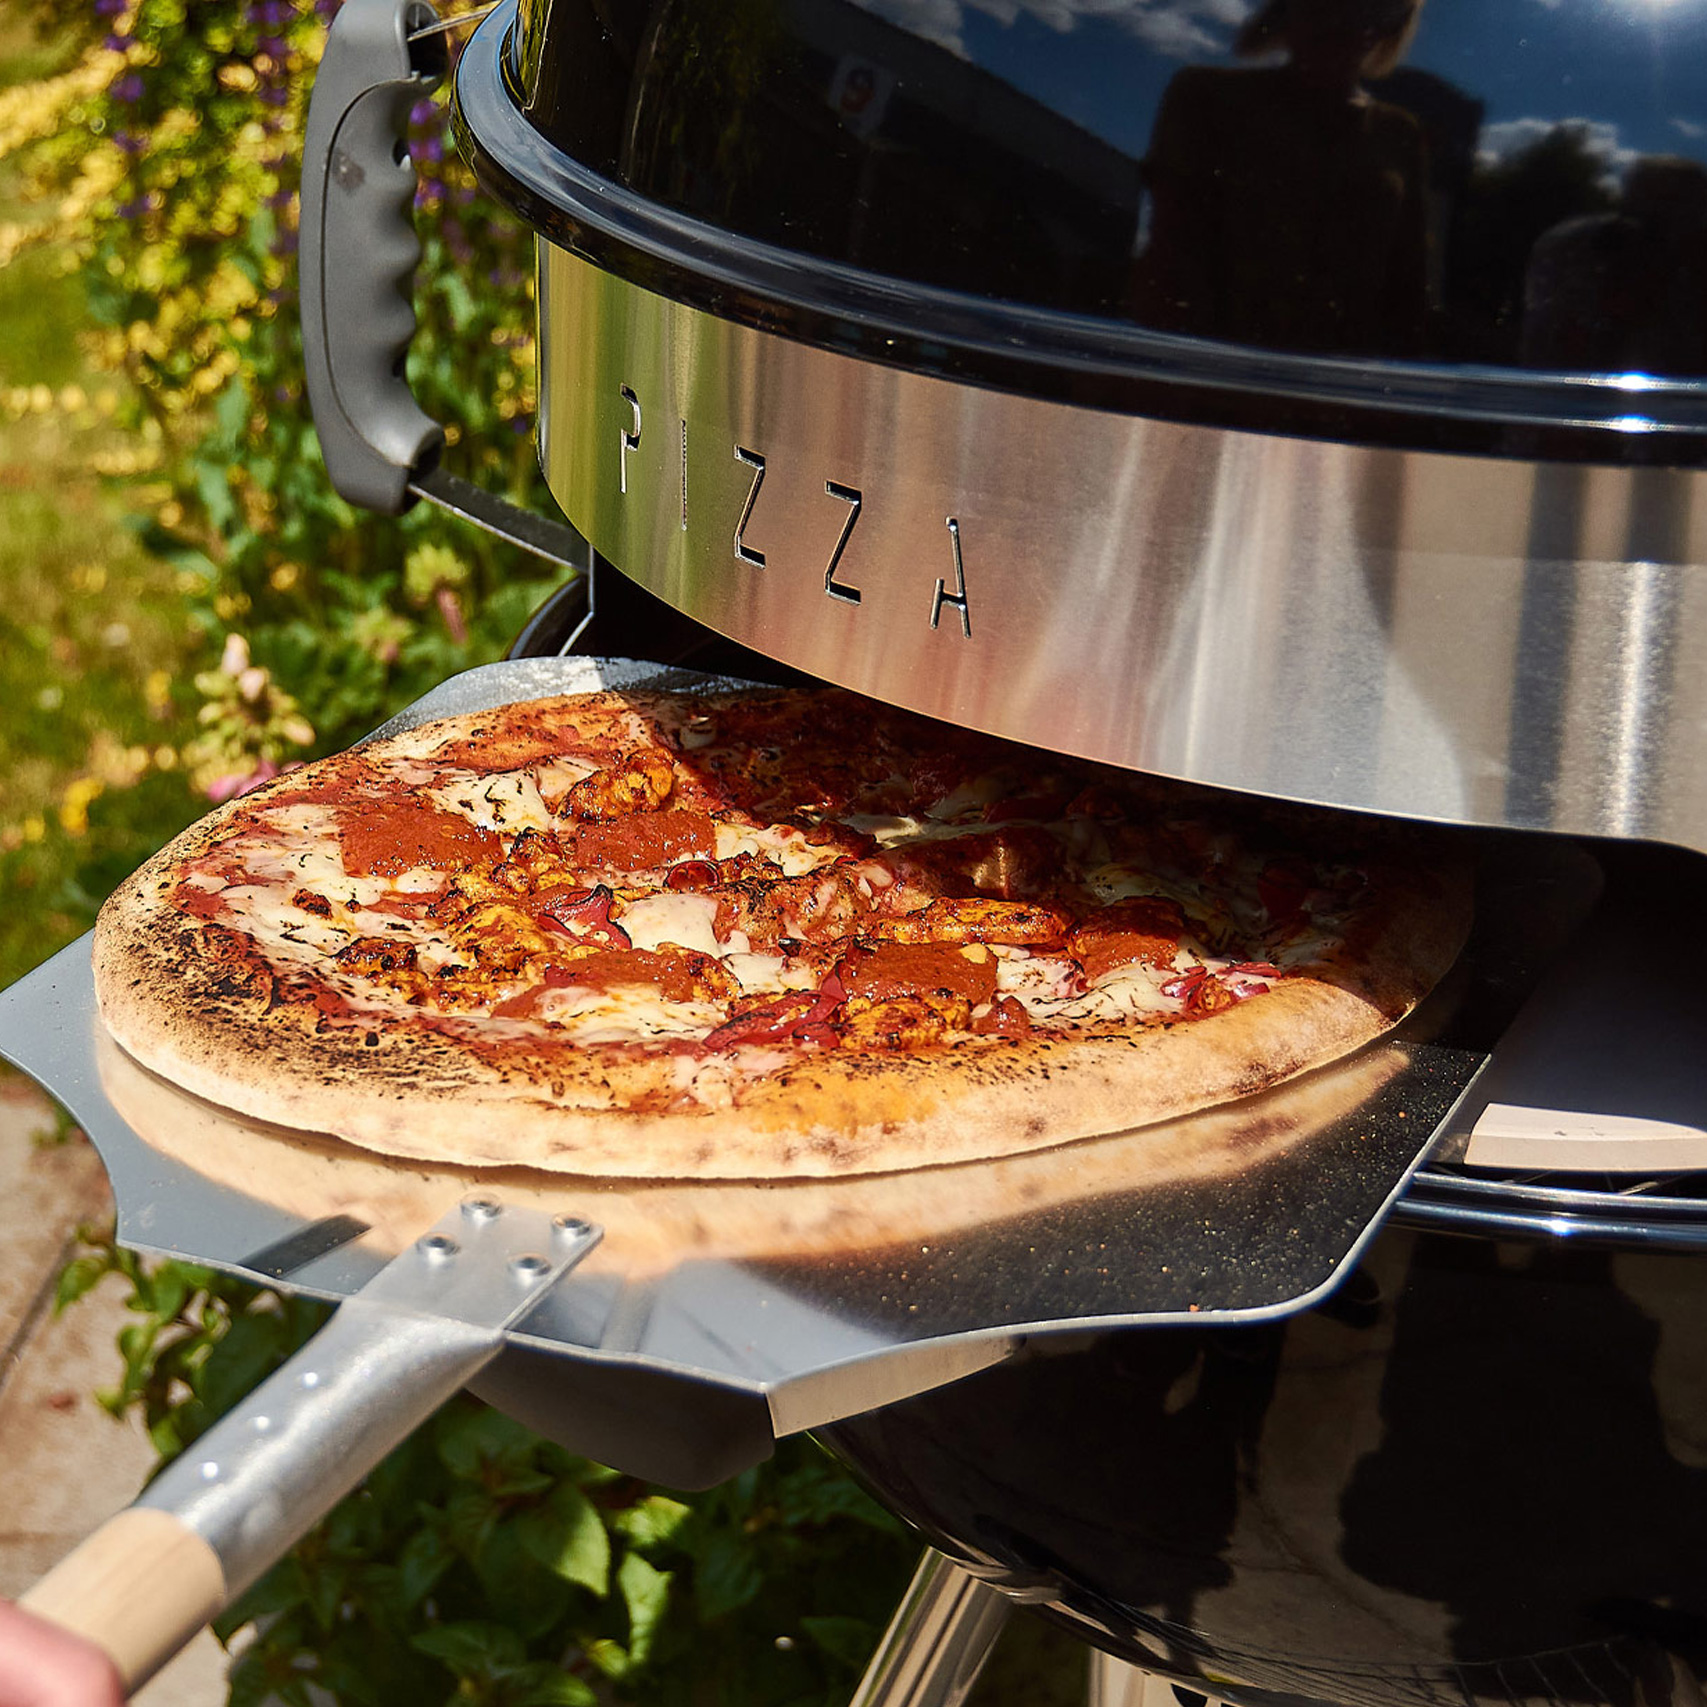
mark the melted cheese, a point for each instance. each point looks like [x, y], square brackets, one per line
[625, 1012]
[509, 802]
[685, 919]
[779, 844]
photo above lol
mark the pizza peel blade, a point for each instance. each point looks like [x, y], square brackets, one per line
[759, 1313]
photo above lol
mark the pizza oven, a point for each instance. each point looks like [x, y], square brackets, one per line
[1291, 397]
[1305, 398]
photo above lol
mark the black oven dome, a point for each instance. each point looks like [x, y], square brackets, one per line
[1451, 211]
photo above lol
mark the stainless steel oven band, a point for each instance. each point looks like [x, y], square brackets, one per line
[1467, 639]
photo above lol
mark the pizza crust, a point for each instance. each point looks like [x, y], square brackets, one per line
[414, 1091]
[652, 1226]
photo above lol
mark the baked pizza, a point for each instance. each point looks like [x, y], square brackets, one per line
[753, 935]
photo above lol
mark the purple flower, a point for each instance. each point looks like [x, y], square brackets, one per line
[128, 142]
[423, 112]
[134, 209]
[117, 43]
[275, 96]
[128, 89]
[108, 8]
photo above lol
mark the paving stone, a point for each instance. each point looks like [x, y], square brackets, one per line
[65, 1464]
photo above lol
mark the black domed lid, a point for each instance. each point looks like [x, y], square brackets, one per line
[1485, 191]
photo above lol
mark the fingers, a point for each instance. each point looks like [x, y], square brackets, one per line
[42, 1665]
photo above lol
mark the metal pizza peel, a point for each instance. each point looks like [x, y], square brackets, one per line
[672, 1329]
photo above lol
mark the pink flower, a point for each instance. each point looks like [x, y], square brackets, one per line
[228, 787]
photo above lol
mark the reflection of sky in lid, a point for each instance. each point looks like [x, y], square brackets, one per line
[1633, 70]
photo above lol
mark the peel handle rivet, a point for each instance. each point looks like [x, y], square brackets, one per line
[570, 1226]
[529, 1267]
[481, 1209]
[438, 1247]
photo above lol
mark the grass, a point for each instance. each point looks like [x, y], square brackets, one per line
[91, 635]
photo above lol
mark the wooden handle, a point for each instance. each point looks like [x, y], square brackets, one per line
[139, 1588]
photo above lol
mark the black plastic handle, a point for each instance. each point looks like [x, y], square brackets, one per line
[358, 250]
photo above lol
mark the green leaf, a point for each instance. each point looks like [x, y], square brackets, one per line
[215, 494]
[849, 1640]
[255, 1344]
[534, 1599]
[726, 1576]
[326, 1593]
[79, 1276]
[542, 1685]
[645, 1592]
[426, 1556]
[250, 1681]
[650, 1522]
[169, 1291]
[610, 1657]
[278, 1591]
[566, 1535]
[823, 1493]
[479, 1444]
[470, 1649]
[469, 1517]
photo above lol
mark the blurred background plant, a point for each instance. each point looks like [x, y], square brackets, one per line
[148, 172]
[186, 608]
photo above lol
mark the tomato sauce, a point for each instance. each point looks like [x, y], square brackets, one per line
[199, 903]
[1145, 929]
[672, 975]
[410, 834]
[913, 969]
[643, 841]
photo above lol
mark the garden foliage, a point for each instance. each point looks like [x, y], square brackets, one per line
[479, 1564]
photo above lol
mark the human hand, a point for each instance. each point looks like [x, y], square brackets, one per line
[42, 1665]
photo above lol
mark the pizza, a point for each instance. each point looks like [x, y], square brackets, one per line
[754, 935]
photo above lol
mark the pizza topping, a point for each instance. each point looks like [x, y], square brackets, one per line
[693, 874]
[639, 781]
[510, 802]
[409, 835]
[581, 914]
[800, 1017]
[904, 969]
[689, 921]
[197, 900]
[642, 841]
[373, 955]
[1003, 1018]
[1283, 889]
[974, 919]
[903, 1022]
[776, 885]
[1146, 930]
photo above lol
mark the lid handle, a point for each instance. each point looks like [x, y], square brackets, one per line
[358, 249]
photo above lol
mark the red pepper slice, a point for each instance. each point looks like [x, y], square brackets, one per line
[692, 874]
[1192, 989]
[584, 916]
[799, 1016]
